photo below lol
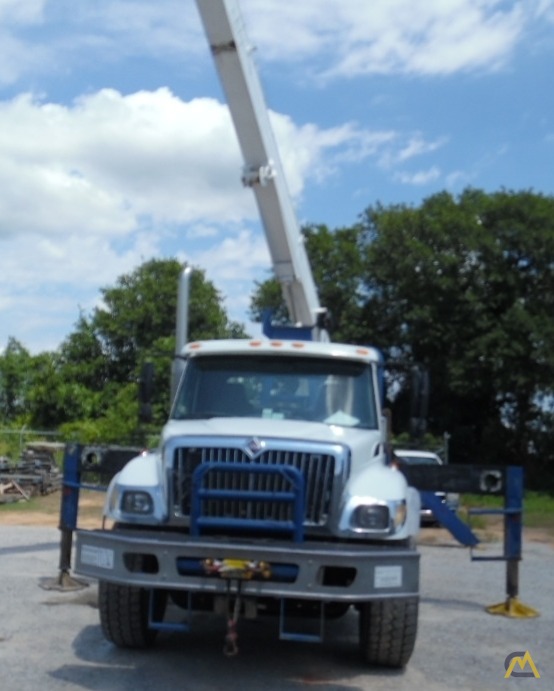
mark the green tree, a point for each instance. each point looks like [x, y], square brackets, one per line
[82, 358]
[138, 315]
[53, 398]
[467, 286]
[137, 323]
[267, 295]
[14, 379]
[90, 382]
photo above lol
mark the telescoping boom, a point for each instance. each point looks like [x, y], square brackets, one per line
[263, 170]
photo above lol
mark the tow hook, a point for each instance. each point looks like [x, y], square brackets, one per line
[237, 570]
[230, 647]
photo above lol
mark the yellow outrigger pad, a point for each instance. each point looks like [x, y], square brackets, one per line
[512, 607]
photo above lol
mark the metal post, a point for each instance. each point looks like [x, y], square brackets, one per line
[513, 511]
[68, 519]
[513, 506]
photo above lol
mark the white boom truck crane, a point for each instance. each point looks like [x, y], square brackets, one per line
[271, 490]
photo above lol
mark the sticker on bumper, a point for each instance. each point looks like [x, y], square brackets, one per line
[100, 557]
[387, 577]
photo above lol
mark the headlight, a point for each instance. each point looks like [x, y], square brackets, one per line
[137, 502]
[371, 517]
[383, 517]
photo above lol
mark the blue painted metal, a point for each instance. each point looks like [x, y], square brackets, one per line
[70, 487]
[513, 509]
[302, 637]
[295, 496]
[447, 518]
[172, 626]
[287, 332]
[512, 512]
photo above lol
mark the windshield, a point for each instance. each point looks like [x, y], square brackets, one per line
[337, 392]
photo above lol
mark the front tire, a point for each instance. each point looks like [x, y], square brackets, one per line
[124, 614]
[388, 631]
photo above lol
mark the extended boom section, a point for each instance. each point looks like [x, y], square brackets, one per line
[263, 170]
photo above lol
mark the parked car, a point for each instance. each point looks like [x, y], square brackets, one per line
[416, 457]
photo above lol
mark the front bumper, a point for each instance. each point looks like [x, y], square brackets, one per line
[322, 571]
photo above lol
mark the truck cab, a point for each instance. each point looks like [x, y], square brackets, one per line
[312, 406]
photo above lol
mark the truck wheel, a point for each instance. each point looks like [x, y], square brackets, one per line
[124, 614]
[388, 631]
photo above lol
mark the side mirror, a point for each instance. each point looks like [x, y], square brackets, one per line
[146, 392]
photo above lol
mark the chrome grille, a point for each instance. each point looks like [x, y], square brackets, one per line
[318, 470]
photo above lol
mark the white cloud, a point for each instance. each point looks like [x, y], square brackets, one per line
[545, 9]
[458, 179]
[348, 38]
[417, 146]
[238, 256]
[18, 55]
[240, 259]
[76, 33]
[420, 177]
[402, 148]
[26, 13]
[202, 230]
[44, 282]
[394, 36]
[103, 163]
[92, 189]
[309, 150]
[108, 162]
[131, 27]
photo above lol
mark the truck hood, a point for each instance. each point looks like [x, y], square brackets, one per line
[363, 443]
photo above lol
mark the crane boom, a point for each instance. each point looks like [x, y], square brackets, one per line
[263, 171]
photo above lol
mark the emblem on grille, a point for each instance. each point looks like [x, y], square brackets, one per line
[254, 446]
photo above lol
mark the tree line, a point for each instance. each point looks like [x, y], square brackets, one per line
[87, 388]
[461, 286]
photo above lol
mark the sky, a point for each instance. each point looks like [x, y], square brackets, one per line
[116, 145]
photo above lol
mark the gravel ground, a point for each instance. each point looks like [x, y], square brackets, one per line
[52, 640]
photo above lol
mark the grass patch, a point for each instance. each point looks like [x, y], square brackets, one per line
[538, 509]
[47, 508]
[48, 503]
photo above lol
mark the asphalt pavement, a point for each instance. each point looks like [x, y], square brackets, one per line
[52, 640]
